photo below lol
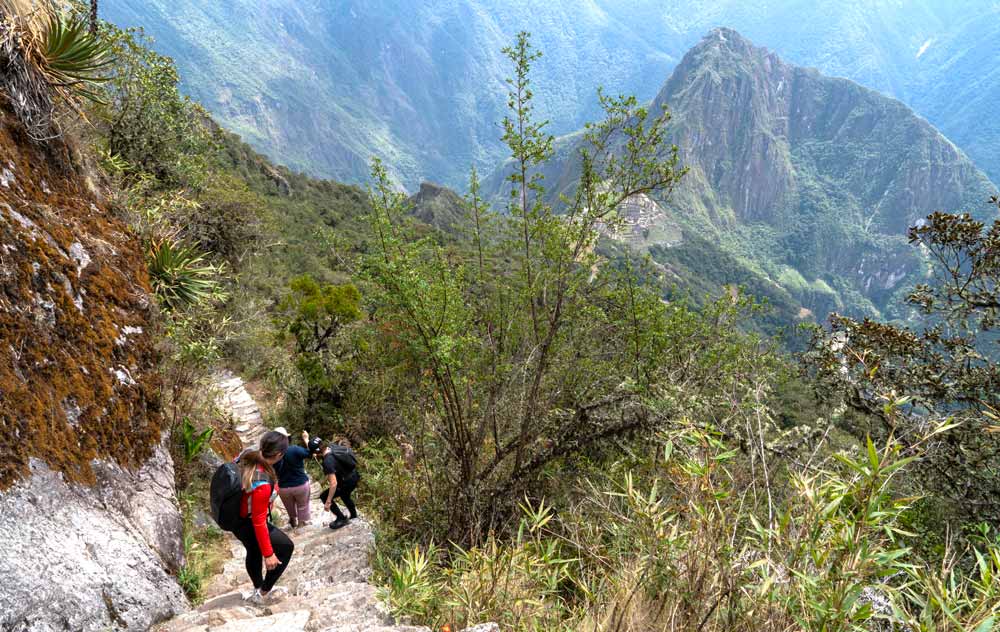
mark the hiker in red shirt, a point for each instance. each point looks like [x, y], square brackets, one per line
[264, 542]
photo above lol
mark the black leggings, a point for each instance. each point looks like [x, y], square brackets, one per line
[344, 489]
[281, 545]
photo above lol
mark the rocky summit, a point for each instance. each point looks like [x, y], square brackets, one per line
[816, 179]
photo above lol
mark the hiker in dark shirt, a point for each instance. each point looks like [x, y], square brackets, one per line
[340, 466]
[294, 487]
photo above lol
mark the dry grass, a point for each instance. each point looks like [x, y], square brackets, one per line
[34, 14]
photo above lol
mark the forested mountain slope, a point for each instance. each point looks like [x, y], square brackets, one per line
[324, 87]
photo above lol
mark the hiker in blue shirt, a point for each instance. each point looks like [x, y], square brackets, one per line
[294, 487]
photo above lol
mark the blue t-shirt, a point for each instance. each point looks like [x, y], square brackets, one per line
[291, 469]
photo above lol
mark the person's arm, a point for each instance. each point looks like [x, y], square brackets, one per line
[332, 480]
[258, 518]
[305, 438]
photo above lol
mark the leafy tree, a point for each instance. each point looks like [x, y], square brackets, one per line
[148, 123]
[228, 220]
[527, 349]
[948, 370]
[312, 315]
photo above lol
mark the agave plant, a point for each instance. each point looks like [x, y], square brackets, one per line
[180, 275]
[73, 56]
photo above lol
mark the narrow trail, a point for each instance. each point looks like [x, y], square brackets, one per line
[327, 578]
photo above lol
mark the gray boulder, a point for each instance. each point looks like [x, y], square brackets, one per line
[91, 558]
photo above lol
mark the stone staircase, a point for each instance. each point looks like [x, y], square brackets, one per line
[327, 578]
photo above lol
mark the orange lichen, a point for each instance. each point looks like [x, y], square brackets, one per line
[77, 362]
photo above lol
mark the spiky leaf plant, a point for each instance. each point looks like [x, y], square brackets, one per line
[73, 57]
[180, 275]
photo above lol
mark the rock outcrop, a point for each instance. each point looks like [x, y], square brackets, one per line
[91, 558]
[77, 361]
[816, 175]
[91, 526]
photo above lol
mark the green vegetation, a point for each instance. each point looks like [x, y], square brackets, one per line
[546, 441]
[682, 542]
[205, 546]
[194, 442]
[74, 58]
[180, 276]
[947, 372]
[692, 505]
[312, 316]
[493, 341]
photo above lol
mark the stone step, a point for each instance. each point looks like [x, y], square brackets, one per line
[282, 622]
[327, 579]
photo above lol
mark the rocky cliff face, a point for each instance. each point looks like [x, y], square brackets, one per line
[91, 557]
[815, 177]
[91, 527]
[755, 127]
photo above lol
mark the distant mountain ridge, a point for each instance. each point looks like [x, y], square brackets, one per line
[809, 181]
[323, 87]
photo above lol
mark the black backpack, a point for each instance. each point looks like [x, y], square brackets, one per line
[345, 457]
[226, 494]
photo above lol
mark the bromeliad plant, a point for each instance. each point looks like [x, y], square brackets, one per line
[180, 275]
[74, 58]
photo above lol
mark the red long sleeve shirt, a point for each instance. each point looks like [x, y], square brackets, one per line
[263, 497]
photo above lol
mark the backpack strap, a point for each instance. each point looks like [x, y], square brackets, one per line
[259, 479]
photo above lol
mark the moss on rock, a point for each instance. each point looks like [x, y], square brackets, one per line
[78, 375]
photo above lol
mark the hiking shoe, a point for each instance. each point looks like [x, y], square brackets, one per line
[339, 523]
[252, 596]
[274, 596]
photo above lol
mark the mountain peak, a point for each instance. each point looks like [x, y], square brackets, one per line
[727, 40]
[725, 35]
[438, 206]
[724, 50]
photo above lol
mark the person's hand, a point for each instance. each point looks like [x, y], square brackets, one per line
[272, 562]
[305, 437]
[326, 505]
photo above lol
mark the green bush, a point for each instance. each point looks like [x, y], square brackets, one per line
[205, 548]
[146, 122]
[689, 544]
[312, 316]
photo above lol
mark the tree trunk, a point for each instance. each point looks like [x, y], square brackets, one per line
[93, 17]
